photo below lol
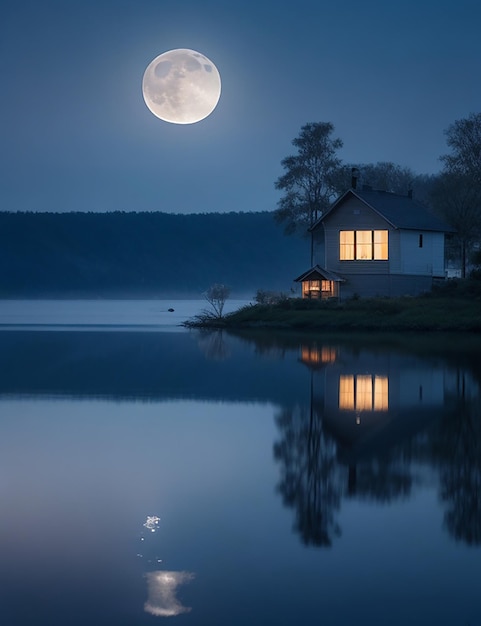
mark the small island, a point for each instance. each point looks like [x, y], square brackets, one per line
[454, 307]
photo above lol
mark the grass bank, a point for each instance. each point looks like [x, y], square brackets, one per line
[454, 307]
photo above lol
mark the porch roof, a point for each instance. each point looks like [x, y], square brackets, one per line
[318, 273]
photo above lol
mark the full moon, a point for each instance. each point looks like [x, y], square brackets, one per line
[181, 86]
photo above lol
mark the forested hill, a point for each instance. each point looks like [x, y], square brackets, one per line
[145, 254]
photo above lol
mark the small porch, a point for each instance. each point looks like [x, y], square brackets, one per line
[318, 283]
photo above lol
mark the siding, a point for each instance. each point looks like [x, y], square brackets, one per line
[372, 285]
[427, 260]
[319, 247]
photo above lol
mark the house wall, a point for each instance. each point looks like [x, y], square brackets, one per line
[409, 270]
[392, 285]
[319, 247]
[427, 260]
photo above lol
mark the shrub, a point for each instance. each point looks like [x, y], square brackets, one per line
[270, 297]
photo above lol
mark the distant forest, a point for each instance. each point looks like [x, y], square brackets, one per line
[123, 254]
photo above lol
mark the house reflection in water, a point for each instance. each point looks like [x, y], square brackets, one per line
[369, 400]
[372, 412]
[312, 355]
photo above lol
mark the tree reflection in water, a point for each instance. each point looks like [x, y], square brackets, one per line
[214, 345]
[310, 479]
[458, 450]
[314, 481]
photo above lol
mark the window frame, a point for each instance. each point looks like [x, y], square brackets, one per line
[372, 247]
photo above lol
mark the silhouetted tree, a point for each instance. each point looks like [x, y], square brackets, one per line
[309, 179]
[464, 139]
[459, 203]
[386, 176]
[457, 193]
[382, 175]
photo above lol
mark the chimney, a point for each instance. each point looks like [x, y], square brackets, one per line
[354, 177]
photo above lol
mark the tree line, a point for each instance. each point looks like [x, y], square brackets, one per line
[143, 254]
[315, 175]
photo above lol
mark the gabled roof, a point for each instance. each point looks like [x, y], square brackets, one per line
[317, 272]
[400, 211]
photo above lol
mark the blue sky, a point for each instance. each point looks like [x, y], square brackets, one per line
[75, 133]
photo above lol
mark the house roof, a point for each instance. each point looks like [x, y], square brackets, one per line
[317, 272]
[400, 211]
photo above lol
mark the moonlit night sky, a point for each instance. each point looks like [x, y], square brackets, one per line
[76, 135]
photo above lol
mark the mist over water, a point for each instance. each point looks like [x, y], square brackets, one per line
[152, 314]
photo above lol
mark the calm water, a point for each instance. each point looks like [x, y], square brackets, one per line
[148, 471]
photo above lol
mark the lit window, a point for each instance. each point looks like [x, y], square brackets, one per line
[380, 245]
[310, 287]
[346, 238]
[363, 245]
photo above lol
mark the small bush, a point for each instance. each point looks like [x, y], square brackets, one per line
[269, 297]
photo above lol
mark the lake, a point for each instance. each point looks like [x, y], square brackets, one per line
[148, 471]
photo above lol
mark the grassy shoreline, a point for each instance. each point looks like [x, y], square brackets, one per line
[456, 307]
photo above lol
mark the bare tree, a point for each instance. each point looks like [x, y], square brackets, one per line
[216, 296]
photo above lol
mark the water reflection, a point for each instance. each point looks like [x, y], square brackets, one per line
[373, 419]
[162, 589]
[357, 419]
[260, 452]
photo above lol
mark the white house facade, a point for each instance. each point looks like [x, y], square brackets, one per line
[375, 243]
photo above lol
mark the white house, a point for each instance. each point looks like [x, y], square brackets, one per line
[375, 243]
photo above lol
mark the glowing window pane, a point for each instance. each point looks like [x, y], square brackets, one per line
[315, 285]
[346, 245]
[364, 244]
[381, 393]
[346, 392]
[364, 393]
[381, 245]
